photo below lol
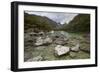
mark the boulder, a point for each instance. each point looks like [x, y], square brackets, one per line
[85, 48]
[42, 41]
[47, 40]
[32, 34]
[38, 58]
[39, 41]
[60, 41]
[40, 47]
[75, 48]
[72, 54]
[61, 50]
[41, 33]
[52, 32]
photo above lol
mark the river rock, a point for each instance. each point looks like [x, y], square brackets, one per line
[85, 50]
[60, 41]
[47, 40]
[85, 47]
[75, 48]
[40, 47]
[61, 50]
[38, 58]
[39, 41]
[52, 32]
[41, 33]
[72, 54]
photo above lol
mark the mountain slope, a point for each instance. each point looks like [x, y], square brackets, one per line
[39, 22]
[80, 23]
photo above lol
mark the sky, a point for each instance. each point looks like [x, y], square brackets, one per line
[59, 17]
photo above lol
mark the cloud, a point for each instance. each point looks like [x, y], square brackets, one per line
[59, 17]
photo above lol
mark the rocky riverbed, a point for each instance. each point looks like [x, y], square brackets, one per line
[56, 45]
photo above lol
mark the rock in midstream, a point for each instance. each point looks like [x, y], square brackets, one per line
[38, 58]
[47, 40]
[61, 50]
[75, 48]
[85, 47]
[41, 41]
[72, 54]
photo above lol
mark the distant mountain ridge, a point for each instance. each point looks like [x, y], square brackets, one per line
[41, 22]
[80, 23]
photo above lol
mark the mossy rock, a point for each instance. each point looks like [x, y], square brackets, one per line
[73, 54]
[85, 47]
